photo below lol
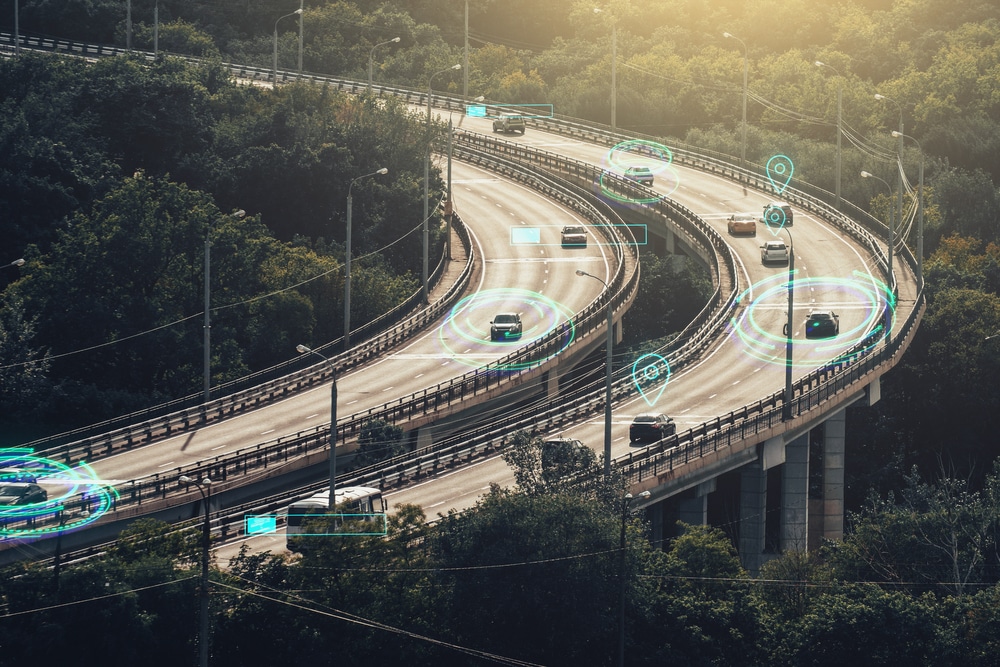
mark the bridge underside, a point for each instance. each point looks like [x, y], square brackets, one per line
[783, 494]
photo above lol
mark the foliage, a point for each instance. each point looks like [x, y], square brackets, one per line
[667, 300]
[379, 440]
[941, 534]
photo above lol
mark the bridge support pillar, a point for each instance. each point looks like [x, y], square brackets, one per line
[425, 437]
[753, 514]
[694, 510]
[835, 430]
[795, 495]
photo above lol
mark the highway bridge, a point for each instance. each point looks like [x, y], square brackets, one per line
[766, 465]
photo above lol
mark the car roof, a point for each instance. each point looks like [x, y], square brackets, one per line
[821, 313]
[649, 416]
[637, 167]
[775, 244]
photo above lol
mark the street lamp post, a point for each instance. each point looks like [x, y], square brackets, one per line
[614, 69]
[786, 408]
[840, 126]
[888, 316]
[899, 182]
[205, 488]
[207, 346]
[427, 181]
[920, 208]
[301, 21]
[347, 259]
[17, 29]
[743, 141]
[371, 60]
[609, 344]
[302, 349]
[626, 504]
[274, 62]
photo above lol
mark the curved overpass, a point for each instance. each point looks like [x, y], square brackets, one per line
[696, 397]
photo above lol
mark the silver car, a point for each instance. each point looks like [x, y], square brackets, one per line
[774, 252]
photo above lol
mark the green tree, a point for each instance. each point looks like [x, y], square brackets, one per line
[378, 440]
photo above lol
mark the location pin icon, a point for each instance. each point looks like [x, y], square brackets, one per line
[779, 172]
[650, 373]
[774, 218]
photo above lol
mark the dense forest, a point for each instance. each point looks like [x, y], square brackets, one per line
[82, 142]
[113, 173]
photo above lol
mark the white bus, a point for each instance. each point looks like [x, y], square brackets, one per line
[361, 502]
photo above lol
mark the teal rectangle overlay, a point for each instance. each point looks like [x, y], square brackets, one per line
[533, 235]
[260, 524]
[523, 110]
[475, 110]
[525, 236]
[376, 523]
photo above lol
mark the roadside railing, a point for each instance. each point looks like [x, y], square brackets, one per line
[810, 392]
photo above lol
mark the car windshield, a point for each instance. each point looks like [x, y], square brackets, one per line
[505, 319]
[638, 170]
[572, 230]
[775, 245]
[820, 316]
[12, 490]
[645, 419]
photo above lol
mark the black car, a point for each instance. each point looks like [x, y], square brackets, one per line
[651, 426]
[505, 326]
[822, 324]
[21, 493]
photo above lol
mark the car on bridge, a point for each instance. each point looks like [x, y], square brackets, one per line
[777, 214]
[642, 175]
[822, 324]
[650, 426]
[742, 223]
[505, 326]
[22, 493]
[774, 252]
[574, 236]
[508, 123]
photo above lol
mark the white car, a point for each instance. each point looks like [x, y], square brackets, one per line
[774, 252]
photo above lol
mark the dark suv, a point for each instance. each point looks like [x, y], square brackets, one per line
[777, 214]
[507, 123]
[505, 326]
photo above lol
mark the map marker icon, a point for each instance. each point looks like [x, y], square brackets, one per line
[650, 373]
[779, 171]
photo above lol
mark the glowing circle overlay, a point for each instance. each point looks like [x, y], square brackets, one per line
[658, 158]
[468, 323]
[767, 343]
[78, 487]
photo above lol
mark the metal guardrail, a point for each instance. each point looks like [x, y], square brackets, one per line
[141, 428]
[259, 459]
[811, 391]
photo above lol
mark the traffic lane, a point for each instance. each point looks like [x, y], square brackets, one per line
[456, 490]
[371, 385]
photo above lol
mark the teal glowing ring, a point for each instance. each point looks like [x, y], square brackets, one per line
[468, 322]
[82, 487]
[763, 344]
[663, 164]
